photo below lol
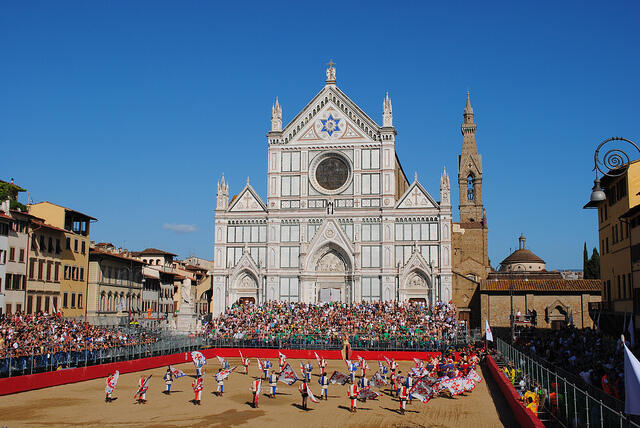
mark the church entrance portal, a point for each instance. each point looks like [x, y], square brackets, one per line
[330, 295]
[246, 300]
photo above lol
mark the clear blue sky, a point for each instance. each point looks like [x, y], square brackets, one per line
[131, 111]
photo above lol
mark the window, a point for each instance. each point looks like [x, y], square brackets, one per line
[370, 184]
[79, 300]
[21, 259]
[470, 191]
[429, 252]
[49, 265]
[32, 268]
[289, 233]
[73, 300]
[233, 255]
[68, 245]
[38, 303]
[247, 233]
[370, 256]
[370, 158]
[9, 308]
[7, 279]
[58, 247]
[289, 289]
[312, 228]
[40, 269]
[290, 185]
[371, 231]
[56, 275]
[290, 161]
[416, 231]
[12, 254]
[50, 247]
[67, 272]
[370, 289]
[289, 257]
[83, 247]
[348, 229]
[259, 255]
[75, 245]
[81, 274]
[29, 304]
[42, 246]
[34, 246]
[46, 304]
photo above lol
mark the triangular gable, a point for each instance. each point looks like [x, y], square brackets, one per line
[248, 200]
[246, 263]
[352, 122]
[330, 232]
[469, 163]
[416, 261]
[416, 196]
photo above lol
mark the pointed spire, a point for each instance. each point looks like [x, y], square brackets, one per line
[387, 111]
[276, 117]
[247, 180]
[445, 187]
[415, 176]
[468, 110]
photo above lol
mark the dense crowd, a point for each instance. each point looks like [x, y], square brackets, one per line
[25, 335]
[362, 322]
[597, 358]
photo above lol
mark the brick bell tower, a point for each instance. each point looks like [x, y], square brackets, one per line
[470, 236]
[470, 171]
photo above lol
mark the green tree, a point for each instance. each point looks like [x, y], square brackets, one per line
[595, 264]
[585, 260]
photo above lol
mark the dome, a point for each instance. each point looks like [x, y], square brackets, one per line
[522, 256]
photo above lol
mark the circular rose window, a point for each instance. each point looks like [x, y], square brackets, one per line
[331, 173]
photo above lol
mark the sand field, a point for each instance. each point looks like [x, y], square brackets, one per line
[82, 404]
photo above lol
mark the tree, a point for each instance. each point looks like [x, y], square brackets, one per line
[585, 260]
[591, 265]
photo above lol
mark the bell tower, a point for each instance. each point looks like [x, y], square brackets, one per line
[470, 171]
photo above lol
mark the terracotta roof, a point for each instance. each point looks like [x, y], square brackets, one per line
[48, 226]
[522, 256]
[2, 215]
[152, 251]
[115, 255]
[26, 214]
[556, 285]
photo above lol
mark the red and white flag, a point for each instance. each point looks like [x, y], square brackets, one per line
[319, 360]
[288, 376]
[368, 393]
[260, 366]
[339, 378]
[489, 335]
[223, 362]
[377, 380]
[388, 360]
[222, 375]
[311, 396]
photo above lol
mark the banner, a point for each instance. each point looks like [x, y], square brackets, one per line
[377, 381]
[368, 393]
[339, 378]
[222, 375]
[489, 335]
[311, 396]
[422, 390]
[142, 389]
[177, 373]
[223, 363]
[111, 385]
[288, 376]
[199, 360]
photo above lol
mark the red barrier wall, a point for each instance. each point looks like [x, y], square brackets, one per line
[524, 416]
[12, 385]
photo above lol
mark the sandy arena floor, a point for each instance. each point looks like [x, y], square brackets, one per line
[82, 405]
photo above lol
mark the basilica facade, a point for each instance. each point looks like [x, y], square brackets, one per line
[341, 220]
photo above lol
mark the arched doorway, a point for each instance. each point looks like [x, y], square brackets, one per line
[245, 289]
[417, 288]
[331, 277]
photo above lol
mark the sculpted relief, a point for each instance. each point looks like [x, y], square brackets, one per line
[330, 262]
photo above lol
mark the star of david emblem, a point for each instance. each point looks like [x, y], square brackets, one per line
[330, 125]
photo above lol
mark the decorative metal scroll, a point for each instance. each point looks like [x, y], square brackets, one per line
[614, 160]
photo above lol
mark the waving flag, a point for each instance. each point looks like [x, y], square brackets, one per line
[488, 334]
[222, 375]
[318, 359]
[223, 363]
[177, 373]
[311, 396]
[422, 390]
[111, 386]
[368, 393]
[142, 389]
[377, 380]
[339, 378]
[388, 360]
[282, 356]
[288, 376]
[260, 366]
[418, 362]
[631, 381]
[418, 371]
[474, 375]
[199, 360]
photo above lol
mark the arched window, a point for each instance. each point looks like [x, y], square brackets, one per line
[470, 190]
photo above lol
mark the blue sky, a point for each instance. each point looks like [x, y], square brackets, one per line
[131, 111]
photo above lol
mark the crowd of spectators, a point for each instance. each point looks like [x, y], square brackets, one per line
[23, 335]
[363, 323]
[596, 357]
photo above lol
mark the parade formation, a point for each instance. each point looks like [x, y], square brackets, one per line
[440, 376]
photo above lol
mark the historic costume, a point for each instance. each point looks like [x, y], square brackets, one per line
[352, 393]
[197, 385]
[324, 383]
[256, 387]
[273, 384]
[168, 380]
[220, 380]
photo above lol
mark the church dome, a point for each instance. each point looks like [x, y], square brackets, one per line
[522, 256]
[522, 259]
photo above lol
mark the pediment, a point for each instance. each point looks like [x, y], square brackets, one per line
[248, 200]
[416, 196]
[246, 263]
[331, 117]
[416, 262]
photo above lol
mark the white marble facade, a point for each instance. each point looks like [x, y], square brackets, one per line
[341, 223]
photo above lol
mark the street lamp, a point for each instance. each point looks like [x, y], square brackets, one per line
[613, 163]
